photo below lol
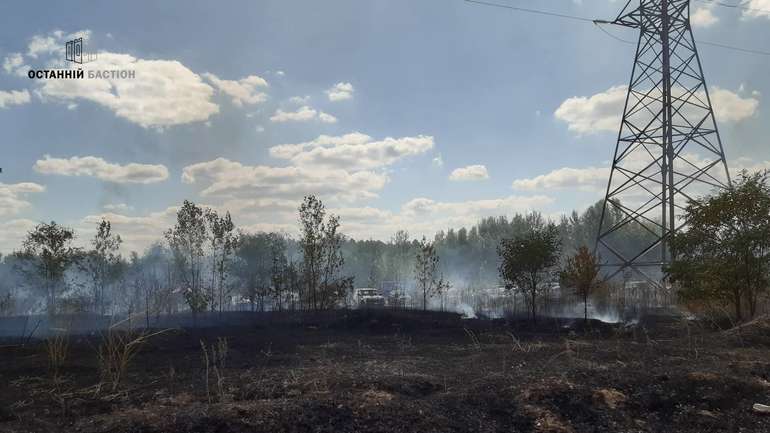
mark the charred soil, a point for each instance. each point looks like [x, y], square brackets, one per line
[402, 371]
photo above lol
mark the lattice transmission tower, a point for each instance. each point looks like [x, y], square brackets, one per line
[668, 149]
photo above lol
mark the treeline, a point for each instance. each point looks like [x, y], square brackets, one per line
[205, 263]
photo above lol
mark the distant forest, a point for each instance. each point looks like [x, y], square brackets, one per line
[205, 263]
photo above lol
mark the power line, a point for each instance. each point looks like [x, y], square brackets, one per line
[598, 24]
[531, 11]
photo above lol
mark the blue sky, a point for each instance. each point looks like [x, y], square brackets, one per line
[399, 114]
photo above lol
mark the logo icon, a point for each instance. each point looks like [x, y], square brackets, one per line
[75, 52]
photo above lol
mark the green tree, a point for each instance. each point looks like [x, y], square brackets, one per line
[186, 239]
[581, 274]
[429, 282]
[49, 252]
[311, 221]
[102, 263]
[723, 255]
[223, 241]
[528, 261]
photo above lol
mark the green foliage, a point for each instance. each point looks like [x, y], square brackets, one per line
[723, 256]
[581, 273]
[102, 263]
[47, 252]
[429, 283]
[186, 239]
[322, 260]
[528, 261]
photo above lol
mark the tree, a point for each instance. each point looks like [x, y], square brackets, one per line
[311, 220]
[102, 263]
[254, 268]
[279, 270]
[224, 240]
[580, 273]
[429, 283]
[186, 240]
[334, 286]
[528, 260]
[724, 254]
[49, 252]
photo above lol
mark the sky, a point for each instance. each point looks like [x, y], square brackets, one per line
[398, 114]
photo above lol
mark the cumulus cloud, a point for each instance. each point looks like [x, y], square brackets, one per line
[13, 197]
[231, 179]
[14, 64]
[244, 91]
[703, 16]
[326, 117]
[340, 92]
[118, 207]
[99, 168]
[756, 9]
[469, 173]
[163, 93]
[302, 114]
[352, 151]
[602, 112]
[13, 97]
[14, 231]
[587, 179]
[598, 113]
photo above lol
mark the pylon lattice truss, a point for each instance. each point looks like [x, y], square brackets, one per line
[668, 149]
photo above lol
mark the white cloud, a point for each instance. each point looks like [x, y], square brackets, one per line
[438, 161]
[352, 151]
[13, 97]
[587, 179]
[326, 118]
[13, 196]
[731, 107]
[14, 232]
[101, 169]
[602, 112]
[301, 100]
[757, 9]
[230, 179]
[14, 63]
[597, 113]
[163, 93]
[118, 207]
[703, 16]
[243, 91]
[469, 173]
[302, 114]
[137, 232]
[340, 92]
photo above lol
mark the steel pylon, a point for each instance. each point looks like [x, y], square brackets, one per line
[668, 149]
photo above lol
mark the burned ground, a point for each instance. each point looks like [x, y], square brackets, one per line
[405, 371]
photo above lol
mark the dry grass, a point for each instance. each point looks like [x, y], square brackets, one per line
[117, 350]
[57, 350]
[215, 359]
